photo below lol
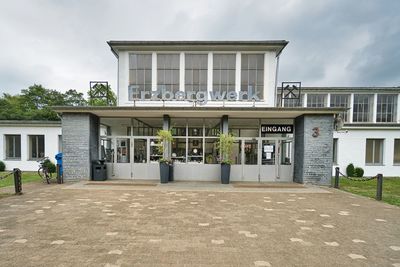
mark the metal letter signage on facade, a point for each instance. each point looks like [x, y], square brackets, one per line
[277, 128]
[201, 96]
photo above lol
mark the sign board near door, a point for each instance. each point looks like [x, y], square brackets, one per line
[276, 128]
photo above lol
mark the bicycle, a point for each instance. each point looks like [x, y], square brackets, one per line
[43, 171]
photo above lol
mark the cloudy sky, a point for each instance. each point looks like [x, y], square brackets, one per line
[62, 44]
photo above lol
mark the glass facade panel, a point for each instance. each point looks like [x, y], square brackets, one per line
[123, 150]
[36, 147]
[196, 66]
[13, 147]
[252, 74]
[211, 152]
[374, 151]
[224, 66]
[396, 154]
[286, 153]
[250, 152]
[316, 100]
[293, 103]
[362, 108]
[341, 100]
[179, 150]
[139, 75]
[107, 150]
[168, 72]
[140, 150]
[155, 154]
[268, 152]
[195, 150]
[386, 110]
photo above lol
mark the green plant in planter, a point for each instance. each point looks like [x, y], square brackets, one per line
[164, 139]
[225, 145]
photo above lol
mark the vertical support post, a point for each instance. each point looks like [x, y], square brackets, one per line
[379, 185]
[58, 174]
[17, 181]
[336, 177]
[224, 124]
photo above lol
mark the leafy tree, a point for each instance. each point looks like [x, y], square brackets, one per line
[74, 98]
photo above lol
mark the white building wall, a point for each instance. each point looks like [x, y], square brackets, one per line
[352, 145]
[51, 146]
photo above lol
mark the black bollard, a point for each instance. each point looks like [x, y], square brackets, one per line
[336, 177]
[379, 186]
[17, 181]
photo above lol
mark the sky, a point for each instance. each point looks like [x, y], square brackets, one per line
[62, 44]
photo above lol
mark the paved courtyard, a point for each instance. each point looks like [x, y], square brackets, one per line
[209, 225]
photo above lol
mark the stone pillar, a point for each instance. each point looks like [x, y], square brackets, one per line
[80, 137]
[313, 149]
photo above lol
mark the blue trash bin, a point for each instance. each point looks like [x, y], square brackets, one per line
[59, 162]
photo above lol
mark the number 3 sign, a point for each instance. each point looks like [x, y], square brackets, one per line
[315, 132]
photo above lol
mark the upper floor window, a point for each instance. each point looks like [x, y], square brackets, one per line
[36, 147]
[224, 66]
[168, 72]
[339, 100]
[293, 102]
[316, 100]
[252, 74]
[196, 66]
[13, 146]
[362, 108]
[386, 108]
[139, 75]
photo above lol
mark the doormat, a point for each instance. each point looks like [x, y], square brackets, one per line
[122, 184]
[271, 185]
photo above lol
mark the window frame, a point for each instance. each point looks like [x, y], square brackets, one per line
[145, 86]
[345, 114]
[201, 84]
[381, 152]
[358, 116]
[6, 155]
[218, 86]
[394, 151]
[168, 67]
[30, 151]
[382, 108]
[313, 100]
[259, 85]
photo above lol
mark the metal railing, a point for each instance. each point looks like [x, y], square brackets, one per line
[17, 180]
[378, 177]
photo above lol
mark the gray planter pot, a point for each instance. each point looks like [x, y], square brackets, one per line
[164, 172]
[225, 173]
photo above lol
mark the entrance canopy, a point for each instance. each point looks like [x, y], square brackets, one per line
[200, 112]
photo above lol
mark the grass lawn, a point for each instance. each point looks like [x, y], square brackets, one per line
[390, 192]
[27, 177]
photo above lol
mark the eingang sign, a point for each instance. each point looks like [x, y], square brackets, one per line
[200, 96]
[277, 128]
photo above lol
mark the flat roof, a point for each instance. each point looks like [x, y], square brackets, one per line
[200, 112]
[123, 45]
[29, 123]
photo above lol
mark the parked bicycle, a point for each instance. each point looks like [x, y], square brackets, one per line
[43, 170]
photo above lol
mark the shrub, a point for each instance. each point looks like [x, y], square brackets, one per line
[50, 166]
[2, 166]
[358, 172]
[350, 170]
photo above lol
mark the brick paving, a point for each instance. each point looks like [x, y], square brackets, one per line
[70, 225]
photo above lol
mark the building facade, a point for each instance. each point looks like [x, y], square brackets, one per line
[370, 132]
[198, 89]
[24, 143]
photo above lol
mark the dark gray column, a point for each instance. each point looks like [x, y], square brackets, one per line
[166, 122]
[313, 149]
[224, 124]
[80, 137]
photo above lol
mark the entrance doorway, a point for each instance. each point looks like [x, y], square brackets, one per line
[263, 160]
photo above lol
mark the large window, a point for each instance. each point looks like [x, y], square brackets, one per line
[396, 154]
[13, 146]
[386, 108]
[224, 66]
[362, 108]
[196, 72]
[139, 75]
[293, 102]
[374, 151]
[252, 74]
[342, 101]
[335, 150]
[36, 147]
[316, 101]
[168, 72]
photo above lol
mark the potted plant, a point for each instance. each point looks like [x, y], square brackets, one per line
[225, 145]
[165, 138]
